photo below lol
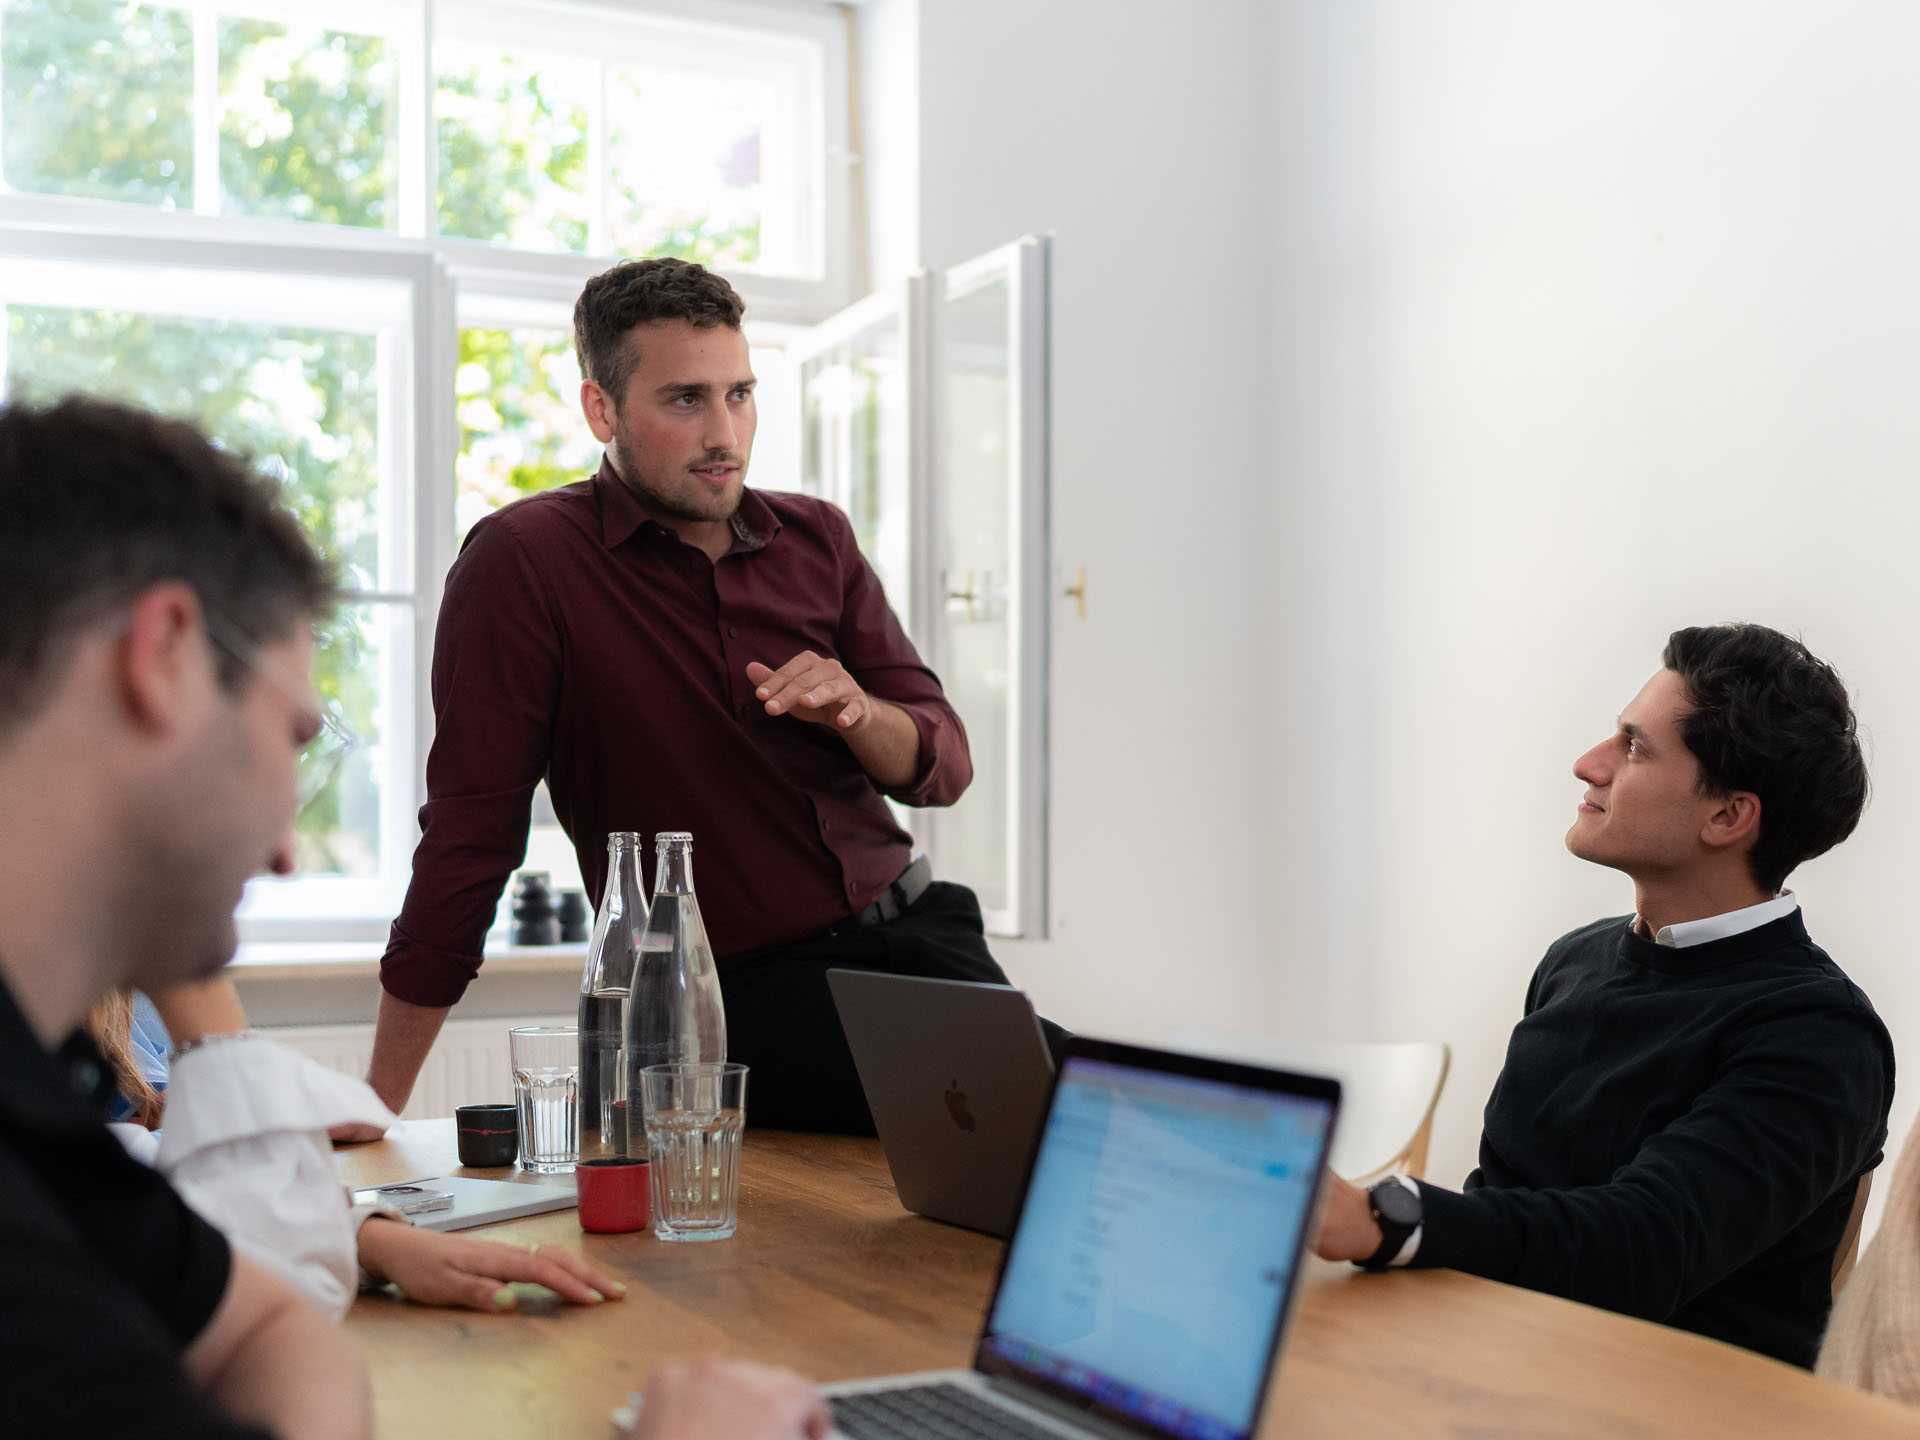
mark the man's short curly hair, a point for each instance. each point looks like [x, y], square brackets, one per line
[1770, 717]
[638, 292]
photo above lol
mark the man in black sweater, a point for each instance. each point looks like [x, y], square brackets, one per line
[1695, 1090]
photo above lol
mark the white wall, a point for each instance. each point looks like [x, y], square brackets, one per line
[1128, 133]
[1593, 322]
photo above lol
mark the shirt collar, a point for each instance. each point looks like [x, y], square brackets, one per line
[1686, 933]
[621, 518]
[64, 1089]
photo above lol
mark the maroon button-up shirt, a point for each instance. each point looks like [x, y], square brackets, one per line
[582, 643]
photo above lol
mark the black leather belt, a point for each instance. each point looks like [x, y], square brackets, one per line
[898, 897]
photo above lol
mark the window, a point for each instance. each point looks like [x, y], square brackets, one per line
[310, 370]
[923, 414]
[348, 241]
[583, 128]
[71, 73]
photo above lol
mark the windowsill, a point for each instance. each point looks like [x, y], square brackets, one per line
[342, 960]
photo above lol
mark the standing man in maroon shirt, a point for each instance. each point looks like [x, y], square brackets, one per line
[671, 650]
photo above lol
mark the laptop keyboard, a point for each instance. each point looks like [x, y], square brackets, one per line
[930, 1412]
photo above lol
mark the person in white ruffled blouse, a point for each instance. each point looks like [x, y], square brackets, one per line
[238, 1123]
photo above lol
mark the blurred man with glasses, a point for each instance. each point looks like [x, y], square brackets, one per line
[157, 708]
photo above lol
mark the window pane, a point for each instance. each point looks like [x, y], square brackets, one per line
[338, 832]
[978, 654]
[302, 402]
[521, 430]
[98, 99]
[306, 124]
[548, 850]
[513, 148]
[684, 165]
[854, 445]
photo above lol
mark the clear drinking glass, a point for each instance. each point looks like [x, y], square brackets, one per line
[694, 1117]
[546, 1086]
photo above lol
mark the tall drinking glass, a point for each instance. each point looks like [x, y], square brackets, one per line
[694, 1117]
[546, 1086]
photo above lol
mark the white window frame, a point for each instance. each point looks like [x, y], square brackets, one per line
[392, 295]
[1023, 265]
[452, 282]
[613, 31]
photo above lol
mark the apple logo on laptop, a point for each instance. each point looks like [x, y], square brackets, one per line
[957, 1107]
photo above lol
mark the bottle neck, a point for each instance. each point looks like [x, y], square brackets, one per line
[673, 869]
[623, 888]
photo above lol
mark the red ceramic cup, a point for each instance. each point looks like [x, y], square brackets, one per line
[614, 1198]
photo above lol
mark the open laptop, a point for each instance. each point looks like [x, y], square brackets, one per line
[956, 1075]
[1153, 1265]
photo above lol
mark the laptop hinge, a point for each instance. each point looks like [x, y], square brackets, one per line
[1060, 1410]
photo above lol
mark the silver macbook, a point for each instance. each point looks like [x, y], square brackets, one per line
[1151, 1271]
[455, 1202]
[956, 1075]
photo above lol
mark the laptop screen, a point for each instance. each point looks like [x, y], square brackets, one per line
[1152, 1262]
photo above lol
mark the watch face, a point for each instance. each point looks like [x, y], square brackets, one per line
[1396, 1204]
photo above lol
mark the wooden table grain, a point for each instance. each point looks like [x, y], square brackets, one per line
[830, 1276]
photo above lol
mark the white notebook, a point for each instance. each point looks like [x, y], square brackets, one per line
[475, 1202]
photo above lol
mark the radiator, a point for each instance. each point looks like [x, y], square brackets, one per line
[468, 1064]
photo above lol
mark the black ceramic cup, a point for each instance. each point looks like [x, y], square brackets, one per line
[489, 1135]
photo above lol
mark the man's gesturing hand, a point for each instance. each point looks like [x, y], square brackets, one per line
[812, 688]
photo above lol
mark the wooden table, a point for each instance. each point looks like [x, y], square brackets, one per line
[830, 1276]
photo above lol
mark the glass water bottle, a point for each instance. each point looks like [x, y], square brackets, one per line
[605, 986]
[675, 1016]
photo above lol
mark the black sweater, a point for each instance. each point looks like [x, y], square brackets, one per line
[1677, 1134]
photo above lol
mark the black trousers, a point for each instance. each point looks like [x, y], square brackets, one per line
[781, 1021]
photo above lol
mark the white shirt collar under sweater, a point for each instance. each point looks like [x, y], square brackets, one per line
[1720, 927]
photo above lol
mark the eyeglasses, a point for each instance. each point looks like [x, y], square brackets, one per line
[324, 756]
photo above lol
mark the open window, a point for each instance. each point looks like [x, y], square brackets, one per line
[923, 413]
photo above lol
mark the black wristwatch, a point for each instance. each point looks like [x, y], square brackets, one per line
[1398, 1212]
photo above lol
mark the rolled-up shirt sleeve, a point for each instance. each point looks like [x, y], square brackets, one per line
[496, 676]
[875, 649]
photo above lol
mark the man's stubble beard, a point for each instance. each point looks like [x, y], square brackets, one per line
[634, 476]
[175, 899]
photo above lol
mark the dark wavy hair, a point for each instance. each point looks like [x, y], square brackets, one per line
[1771, 717]
[638, 292]
[102, 501]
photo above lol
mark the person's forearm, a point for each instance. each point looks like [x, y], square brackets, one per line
[299, 1377]
[886, 744]
[402, 1037]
